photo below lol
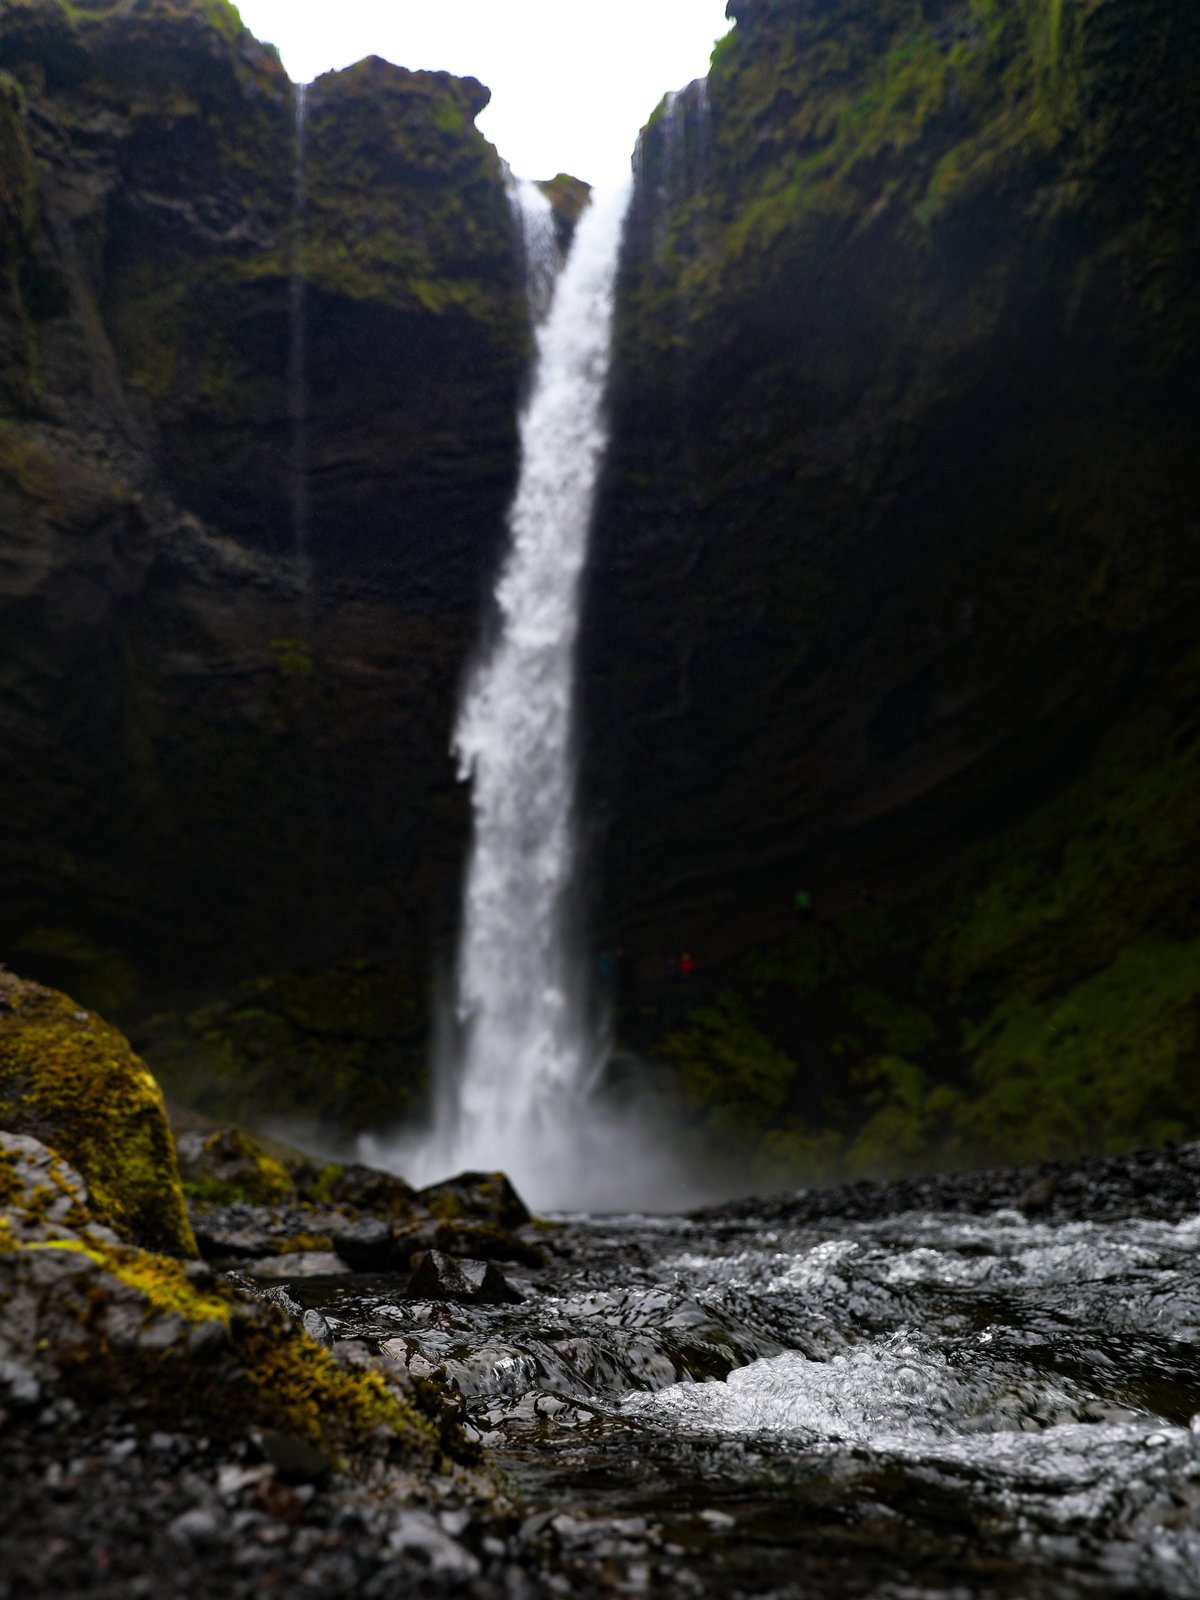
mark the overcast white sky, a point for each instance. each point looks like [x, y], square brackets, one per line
[571, 82]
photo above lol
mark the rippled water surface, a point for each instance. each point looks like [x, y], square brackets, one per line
[928, 1406]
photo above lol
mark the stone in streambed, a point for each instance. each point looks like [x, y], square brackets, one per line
[229, 1165]
[361, 1188]
[366, 1246]
[300, 1264]
[439, 1277]
[473, 1241]
[1038, 1197]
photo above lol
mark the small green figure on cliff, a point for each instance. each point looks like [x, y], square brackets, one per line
[802, 903]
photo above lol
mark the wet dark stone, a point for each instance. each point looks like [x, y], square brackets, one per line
[279, 1296]
[1038, 1196]
[438, 1277]
[317, 1328]
[366, 1246]
[472, 1241]
[367, 1189]
[483, 1196]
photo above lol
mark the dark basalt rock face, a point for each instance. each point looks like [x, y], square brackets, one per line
[210, 767]
[892, 595]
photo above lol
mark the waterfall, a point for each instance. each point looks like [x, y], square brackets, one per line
[298, 351]
[512, 1083]
[540, 252]
[671, 165]
[687, 136]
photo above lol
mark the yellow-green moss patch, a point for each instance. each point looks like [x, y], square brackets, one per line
[72, 1081]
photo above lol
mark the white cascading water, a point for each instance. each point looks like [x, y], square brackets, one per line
[534, 216]
[512, 1084]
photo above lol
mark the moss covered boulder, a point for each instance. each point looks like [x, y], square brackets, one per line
[72, 1081]
[229, 1165]
[82, 1312]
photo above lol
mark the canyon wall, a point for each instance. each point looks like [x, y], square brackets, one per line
[222, 755]
[893, 594]
[891, 718]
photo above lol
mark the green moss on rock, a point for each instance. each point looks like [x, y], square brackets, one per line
[176, 1343]
[568, 198]
[405, 198]
[229, 1166]
[72, 1081]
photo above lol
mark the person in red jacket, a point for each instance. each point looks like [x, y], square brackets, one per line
[686, 966]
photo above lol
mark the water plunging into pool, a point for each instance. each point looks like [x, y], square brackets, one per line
[512, 1077]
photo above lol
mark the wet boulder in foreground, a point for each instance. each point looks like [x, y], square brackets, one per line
[85, 1316]
[87, 1176]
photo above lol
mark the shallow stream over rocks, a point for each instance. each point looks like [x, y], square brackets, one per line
[929, 1404]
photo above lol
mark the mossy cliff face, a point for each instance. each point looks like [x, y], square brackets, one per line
[893, 589]
[323, 1049]
[213, 765]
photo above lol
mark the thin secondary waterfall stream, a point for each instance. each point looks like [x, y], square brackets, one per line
[298, 350]
[510, 1080]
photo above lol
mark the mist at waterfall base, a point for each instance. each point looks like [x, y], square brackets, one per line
[521, 1050]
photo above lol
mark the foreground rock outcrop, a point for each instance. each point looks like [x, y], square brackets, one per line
[155, 1413]
[68, 1078]
[273, 1211]
[86, 1302]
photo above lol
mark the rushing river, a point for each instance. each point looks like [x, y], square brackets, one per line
[926, 1406]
